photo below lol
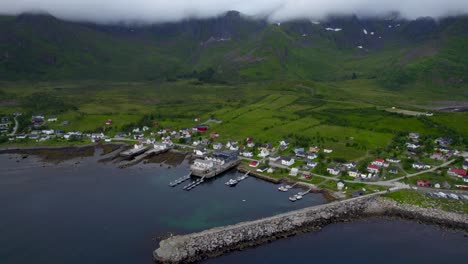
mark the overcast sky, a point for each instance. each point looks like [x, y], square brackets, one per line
[105, 11]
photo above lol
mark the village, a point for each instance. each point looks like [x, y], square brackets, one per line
[311, 164]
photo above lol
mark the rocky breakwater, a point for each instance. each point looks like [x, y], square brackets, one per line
[387, 207]
[213, 242]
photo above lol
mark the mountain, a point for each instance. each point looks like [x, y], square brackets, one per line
[236, 48]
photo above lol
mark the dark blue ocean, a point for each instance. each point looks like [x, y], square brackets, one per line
[94, 212]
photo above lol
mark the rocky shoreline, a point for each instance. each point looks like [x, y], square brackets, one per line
[217, 241]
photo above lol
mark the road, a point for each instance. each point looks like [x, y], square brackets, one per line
[389, 183]
[422, 172]
[15, 129]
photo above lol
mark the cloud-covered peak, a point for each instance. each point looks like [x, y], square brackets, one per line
[156, 11]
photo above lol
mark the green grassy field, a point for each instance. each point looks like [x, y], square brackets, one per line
[305, 112]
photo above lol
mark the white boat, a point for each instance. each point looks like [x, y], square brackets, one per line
[231, 182]
[282, 189]
[298, 197]
[292, 198]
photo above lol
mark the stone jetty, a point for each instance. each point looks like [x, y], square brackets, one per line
[216, 241]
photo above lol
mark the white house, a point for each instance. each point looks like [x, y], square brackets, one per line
[350, 165]
[311, 155]
[251, 144]
[393, 160]
[287, 161]
[353, 173]
[217, 146]
[274, 158]
[413, 135]
[196, 142]
[328, 150]
[378, 162]
[294, 172]
[333, 170]
[264, 153]
[160, 146]
[312, 164]
[247, 154]
[200, 151]
[284, 143]
[421, 166]
[203, 164]
[340, 185]
[234, 147]
[52, 119]
[48, 131]
[412, 145]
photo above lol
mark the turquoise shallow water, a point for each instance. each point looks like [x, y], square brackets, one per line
[97, 213]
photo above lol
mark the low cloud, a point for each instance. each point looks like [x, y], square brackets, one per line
[157, 11]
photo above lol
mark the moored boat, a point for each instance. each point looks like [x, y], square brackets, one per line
[231, 183]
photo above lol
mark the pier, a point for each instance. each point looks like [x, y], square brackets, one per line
[234, 182]
[194, 184]
[259, 175]
[134, 151]
[143, 156]
[180, 180]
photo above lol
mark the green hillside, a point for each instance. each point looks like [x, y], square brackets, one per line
[238, 49]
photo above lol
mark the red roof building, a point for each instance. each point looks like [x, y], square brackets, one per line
[109, 122]
[373, 168]
[457, 172]
[424, 183]
[253, 164]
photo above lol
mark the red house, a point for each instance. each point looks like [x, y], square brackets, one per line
[457, 172]
[373, 168]
[249, 139]
[253, 164]
[109, 122]
[424, 183]
[200, 128]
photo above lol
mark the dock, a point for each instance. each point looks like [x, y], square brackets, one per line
[141, 157]
[216, 171]
[180, 180]
[133, 151]
[194, 184]
[260, 176]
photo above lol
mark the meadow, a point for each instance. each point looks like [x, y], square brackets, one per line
[348, 117]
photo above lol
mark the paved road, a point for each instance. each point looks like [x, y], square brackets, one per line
[15, 129]
[422, 172]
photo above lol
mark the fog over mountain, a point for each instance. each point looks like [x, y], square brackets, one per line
[156, 11]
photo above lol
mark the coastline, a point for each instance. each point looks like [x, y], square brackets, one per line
[217, 241]
[64, 147]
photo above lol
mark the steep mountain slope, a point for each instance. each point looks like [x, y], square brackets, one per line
[395, 51]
